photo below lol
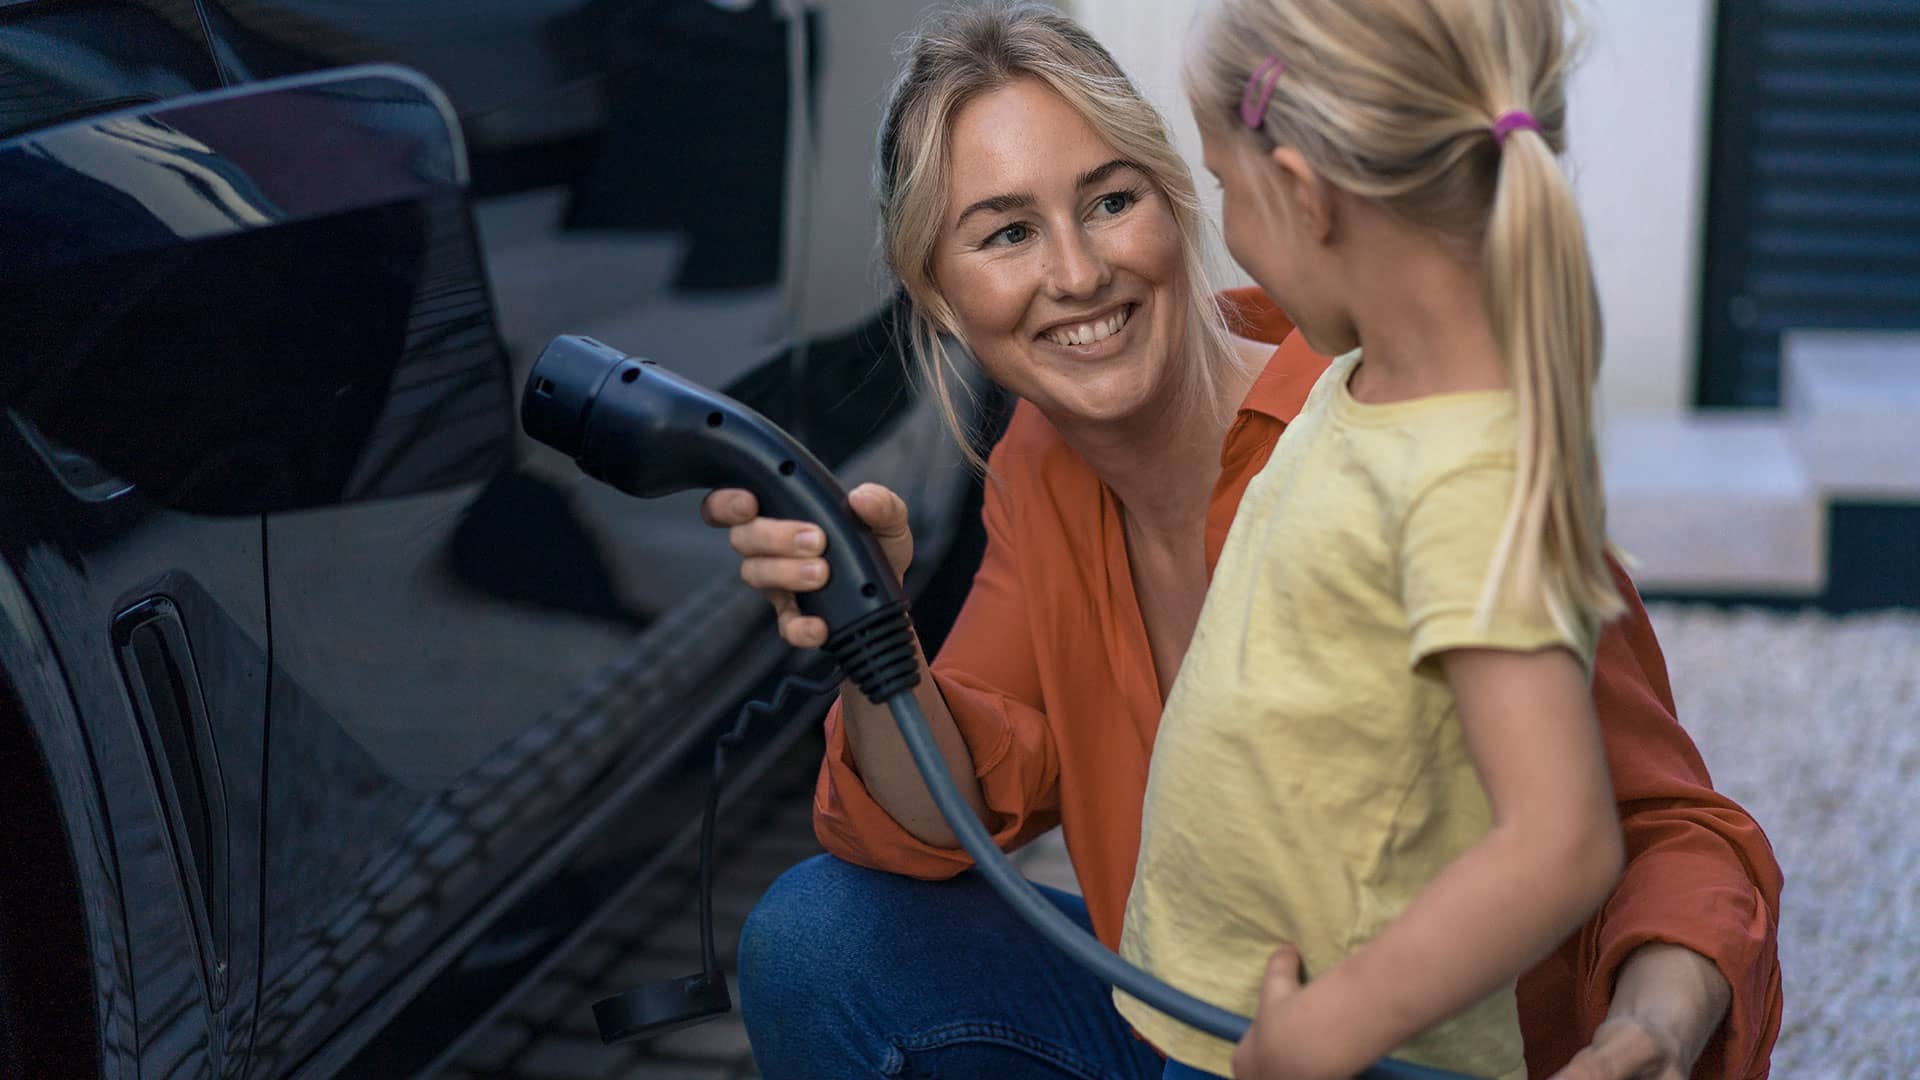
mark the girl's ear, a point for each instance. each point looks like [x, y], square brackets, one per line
[1308, 197]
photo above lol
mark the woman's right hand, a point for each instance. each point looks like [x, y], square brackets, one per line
[781, 558]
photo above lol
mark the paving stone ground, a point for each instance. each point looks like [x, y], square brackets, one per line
[548, 1032]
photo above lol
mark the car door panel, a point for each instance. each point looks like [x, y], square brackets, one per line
[454, 694]
[236, 337]
[175, 978]
[463, 674]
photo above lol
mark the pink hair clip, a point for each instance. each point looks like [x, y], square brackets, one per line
[1253, 100]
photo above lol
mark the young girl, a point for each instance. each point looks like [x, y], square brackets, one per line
[1377, 795]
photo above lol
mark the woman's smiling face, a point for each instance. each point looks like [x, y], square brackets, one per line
[1061, 260]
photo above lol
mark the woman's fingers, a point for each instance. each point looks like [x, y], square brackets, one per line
[802, 631]
[798, 630]
[781, 558]
[770, 574]
[724, 508]
[885, 515]
[883, 512]
[1623, 1049]
[777, 539]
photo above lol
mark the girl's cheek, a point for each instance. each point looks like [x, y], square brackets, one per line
[1242, 225]
[1230, 221]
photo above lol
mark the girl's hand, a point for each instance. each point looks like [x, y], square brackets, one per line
[1253, 1059]
[781, 558]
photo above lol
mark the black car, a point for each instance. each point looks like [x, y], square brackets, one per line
[330, 706]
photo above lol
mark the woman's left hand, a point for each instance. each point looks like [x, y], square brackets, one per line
[1667, 1003]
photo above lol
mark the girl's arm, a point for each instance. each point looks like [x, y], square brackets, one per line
[1549, 860]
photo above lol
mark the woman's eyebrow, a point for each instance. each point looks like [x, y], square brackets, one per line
[1000, 204]
[1101, 172]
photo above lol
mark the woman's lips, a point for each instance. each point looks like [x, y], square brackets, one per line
[1083, 335]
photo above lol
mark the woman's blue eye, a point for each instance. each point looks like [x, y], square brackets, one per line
[1116, 202]
[1012, 234]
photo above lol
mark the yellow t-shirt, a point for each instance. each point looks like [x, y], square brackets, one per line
[1310, 776]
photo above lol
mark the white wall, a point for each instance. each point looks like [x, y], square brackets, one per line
[1638, 113]
[1637, 151]
[840, 275]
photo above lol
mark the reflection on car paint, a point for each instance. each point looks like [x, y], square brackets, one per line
[428, 655]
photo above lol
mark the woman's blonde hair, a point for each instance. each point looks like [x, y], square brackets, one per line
[959, 53]
[1396, 101]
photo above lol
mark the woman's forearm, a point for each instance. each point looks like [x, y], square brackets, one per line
[1679, 996]
[1494, 911]
[887, 768]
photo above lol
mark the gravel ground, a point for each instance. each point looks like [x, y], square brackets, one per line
[1813, 724]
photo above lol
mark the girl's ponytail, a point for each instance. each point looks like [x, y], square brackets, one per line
[1546, 314]
[1399, 101]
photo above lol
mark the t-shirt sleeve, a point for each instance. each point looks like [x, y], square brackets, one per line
[1448, 535]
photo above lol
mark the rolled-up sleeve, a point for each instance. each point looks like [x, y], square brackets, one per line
[987, 674]
[1700, 873]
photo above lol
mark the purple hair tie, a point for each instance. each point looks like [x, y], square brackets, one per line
[1253, 100]
[1509, 122]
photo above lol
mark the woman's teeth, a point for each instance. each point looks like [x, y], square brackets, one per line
[1089, 332]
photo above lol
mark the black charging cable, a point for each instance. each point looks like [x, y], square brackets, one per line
[1082, 947]
[878, 655]
[649, 432]
[659, 1007]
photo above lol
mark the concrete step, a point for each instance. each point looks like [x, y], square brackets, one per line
[1745, 503]
[1852, 403]
[1711, 503]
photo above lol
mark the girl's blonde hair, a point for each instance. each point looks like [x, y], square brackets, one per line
[960, 53]
[1396, 101]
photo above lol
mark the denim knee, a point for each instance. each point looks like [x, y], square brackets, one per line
[813, 973]
[846, 972]
[813, 928]
[787, 917]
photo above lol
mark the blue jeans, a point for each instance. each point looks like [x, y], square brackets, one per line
[847, 972]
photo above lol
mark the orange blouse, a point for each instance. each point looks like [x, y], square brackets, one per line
[1050, 679]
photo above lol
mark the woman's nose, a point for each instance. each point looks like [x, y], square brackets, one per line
[1079, 268]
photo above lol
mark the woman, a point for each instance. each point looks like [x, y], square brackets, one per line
[1034, 210]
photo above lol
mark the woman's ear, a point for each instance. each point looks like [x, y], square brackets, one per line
[1308, 196]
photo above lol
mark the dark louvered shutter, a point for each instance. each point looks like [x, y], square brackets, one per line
[1813, 213]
